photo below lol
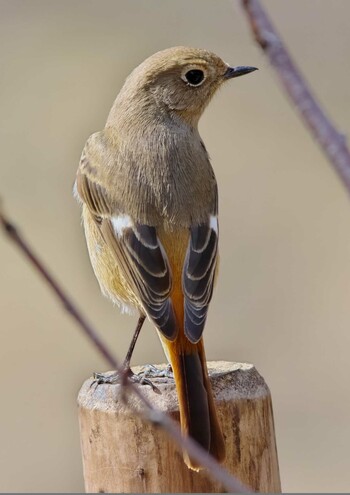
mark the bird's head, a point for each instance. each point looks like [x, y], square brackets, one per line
[181, 80]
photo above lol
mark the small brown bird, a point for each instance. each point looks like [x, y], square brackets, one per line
[150, 204]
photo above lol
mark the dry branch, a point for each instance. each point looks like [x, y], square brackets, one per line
[152, 414]
[12, 232]
[331, 141]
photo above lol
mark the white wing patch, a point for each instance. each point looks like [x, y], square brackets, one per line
[76, 194]
[214, 223]
[120, 223]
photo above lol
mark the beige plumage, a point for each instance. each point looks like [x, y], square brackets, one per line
[149, 199]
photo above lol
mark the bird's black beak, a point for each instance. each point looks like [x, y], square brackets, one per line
[238, 71]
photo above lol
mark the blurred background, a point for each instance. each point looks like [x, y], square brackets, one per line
[282, 300]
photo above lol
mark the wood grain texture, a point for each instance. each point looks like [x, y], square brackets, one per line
[123, 453]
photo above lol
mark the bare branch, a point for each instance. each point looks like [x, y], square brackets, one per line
[153, 415]
[232, 484]
[329, 138]
[69, 306]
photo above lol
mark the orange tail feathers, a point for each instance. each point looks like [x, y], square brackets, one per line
[198, 415]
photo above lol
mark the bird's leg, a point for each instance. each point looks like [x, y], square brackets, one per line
[133, 342]
[127, 373]
[118, 377]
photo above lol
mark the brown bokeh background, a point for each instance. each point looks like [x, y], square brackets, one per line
[282, 300]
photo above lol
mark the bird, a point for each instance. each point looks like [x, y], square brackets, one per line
[149, 202]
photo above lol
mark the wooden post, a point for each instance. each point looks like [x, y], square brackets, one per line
[123, 453]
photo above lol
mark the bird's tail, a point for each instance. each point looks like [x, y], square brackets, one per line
[198, 415]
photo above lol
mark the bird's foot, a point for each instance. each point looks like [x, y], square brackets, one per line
[106, 378]
[121, 378]
[151, 371]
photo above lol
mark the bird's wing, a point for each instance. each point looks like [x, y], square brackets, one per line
[198, 276]
[136, 247]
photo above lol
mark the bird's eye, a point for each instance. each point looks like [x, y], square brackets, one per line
[194, 77]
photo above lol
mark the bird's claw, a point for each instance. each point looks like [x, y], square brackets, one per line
[152, 371]
[142, 380]
[120, 378]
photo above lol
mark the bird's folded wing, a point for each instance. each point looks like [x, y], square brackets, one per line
[198, 276]
[137, 250]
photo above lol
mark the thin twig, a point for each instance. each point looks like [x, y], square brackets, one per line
[69, 306]
[218, 473]
[332, 142]
[157, 417]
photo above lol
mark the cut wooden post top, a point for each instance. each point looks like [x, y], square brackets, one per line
[230, 381]
[123, 453]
